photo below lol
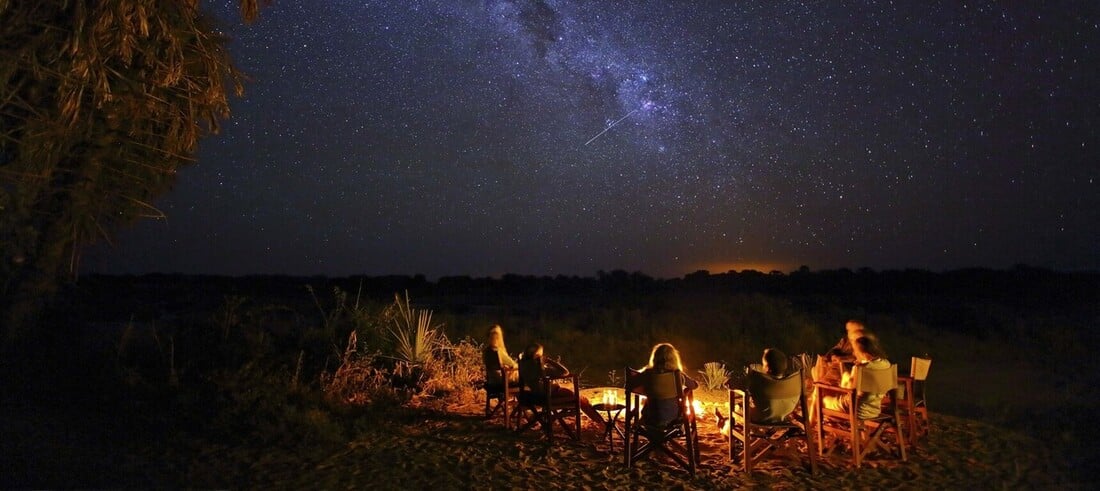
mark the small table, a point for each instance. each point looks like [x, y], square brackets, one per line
[613, 411]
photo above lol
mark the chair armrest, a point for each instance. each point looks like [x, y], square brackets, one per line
[737, 398]
[833, 389]
[572, 378]
[825, 385]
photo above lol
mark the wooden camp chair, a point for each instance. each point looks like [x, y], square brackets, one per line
[863, 435]
[913, 404]
[756, 429]
[503, 393]
[643, 437]
[542, 403]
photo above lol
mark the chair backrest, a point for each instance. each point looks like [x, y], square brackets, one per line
[530, 374]
[918, 368]
[496, 374]
[657, 386]
[491, 358]
[876, 380]
[764, 386]
[662, 386]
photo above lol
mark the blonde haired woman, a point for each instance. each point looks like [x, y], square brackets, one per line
[495, 343]
[663, 359]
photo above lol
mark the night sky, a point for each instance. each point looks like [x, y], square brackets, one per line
[457, 137]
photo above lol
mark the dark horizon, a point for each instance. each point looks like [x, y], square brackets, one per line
[564, 138]
[596, 274]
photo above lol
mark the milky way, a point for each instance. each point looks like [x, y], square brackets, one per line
[457, 137]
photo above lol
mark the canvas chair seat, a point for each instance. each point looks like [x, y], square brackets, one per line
[752, 438]
[864, 435]
[678, 437]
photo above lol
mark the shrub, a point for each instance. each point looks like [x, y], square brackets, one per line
[457, 372]
[358, 381]
[714, 375]
[415, 339]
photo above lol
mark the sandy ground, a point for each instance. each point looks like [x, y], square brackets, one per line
[457, 448]
[454, 447]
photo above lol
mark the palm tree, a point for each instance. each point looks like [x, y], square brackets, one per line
[101, 101]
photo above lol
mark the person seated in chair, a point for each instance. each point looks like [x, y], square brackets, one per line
[495, 343]
[842, 350]
[840, 357]
[534, 362]
[773, 366]
[663, 358]
[869, 354]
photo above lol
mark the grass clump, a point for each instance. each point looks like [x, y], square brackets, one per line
[714, 375]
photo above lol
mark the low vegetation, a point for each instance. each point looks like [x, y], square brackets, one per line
[275, 363]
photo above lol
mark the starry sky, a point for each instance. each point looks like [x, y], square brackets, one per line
[462, 137]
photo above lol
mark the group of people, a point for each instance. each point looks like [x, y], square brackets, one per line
[663, 358]
[859, 347]
[536, 365]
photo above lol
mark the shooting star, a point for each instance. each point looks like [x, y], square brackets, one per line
[612, 125]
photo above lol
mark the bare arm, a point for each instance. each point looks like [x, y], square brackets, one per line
[690, 383]
[556, 369]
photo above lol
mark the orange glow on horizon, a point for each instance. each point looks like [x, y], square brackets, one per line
[720, 267]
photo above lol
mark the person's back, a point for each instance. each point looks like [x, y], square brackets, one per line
[662, 380]
[496, 356]
[868, 355]
[530, 373]
[774, 392]
[662, 403]
[773, 399]
[494, 361]
[870, 404]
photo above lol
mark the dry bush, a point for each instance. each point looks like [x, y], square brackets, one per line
[358, 381]
[457, 372]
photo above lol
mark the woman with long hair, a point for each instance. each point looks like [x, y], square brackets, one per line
[494, 344]
[664, 358]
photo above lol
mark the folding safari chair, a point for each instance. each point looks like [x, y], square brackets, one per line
[503, 393]
[643, 437]
[757, 436]
[914, 403]
[542, 402]
[863, 435]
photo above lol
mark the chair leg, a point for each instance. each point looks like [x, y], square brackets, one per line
[856, 434]
[810, 452]
[691, 451]
[548, 423]
[911, 420]
[901, 440]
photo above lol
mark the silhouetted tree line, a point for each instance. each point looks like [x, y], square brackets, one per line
[957, 300]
